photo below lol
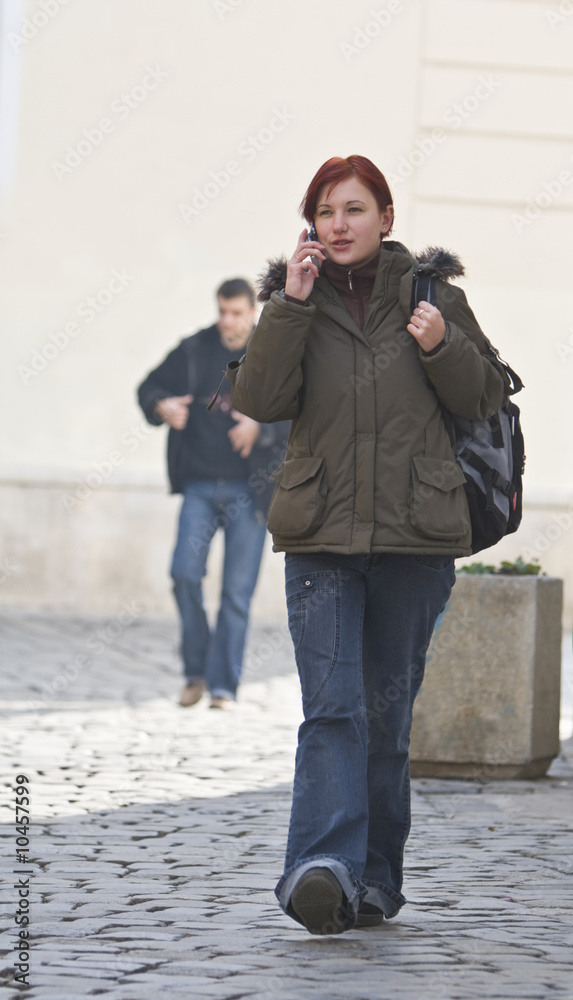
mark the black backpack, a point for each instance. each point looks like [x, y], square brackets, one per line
[490, 452]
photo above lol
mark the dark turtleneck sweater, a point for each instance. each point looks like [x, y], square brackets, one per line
[354, 285]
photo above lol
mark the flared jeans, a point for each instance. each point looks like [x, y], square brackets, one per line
[361, 626]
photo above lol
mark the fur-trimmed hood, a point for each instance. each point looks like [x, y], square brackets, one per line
[434, 261]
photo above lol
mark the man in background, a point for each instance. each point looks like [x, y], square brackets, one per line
[220, 460]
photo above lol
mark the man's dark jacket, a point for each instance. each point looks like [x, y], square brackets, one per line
[189, 369]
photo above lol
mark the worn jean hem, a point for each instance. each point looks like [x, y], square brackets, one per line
[223, 693]
[385, 898]
[352, 888]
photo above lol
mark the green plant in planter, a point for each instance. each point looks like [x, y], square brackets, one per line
[505, 568]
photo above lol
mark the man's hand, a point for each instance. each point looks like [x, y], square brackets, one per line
[174, 410]
[244, 434]
[427, 326]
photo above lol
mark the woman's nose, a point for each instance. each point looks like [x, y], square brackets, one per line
[339, 223]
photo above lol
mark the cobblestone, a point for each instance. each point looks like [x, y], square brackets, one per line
[158, 834]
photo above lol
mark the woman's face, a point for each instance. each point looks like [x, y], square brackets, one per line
[349, 223]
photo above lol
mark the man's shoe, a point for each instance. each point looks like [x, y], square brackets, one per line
[369, 916]
[226, 704]
[192, 693]
[318, 900]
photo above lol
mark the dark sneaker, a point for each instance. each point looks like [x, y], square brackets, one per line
[369, 916]
[319, 902]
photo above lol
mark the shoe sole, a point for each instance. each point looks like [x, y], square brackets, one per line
[317, 899]
[369, 919]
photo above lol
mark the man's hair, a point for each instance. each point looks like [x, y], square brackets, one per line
[236, 286]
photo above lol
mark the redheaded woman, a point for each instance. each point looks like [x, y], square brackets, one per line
[370, 509]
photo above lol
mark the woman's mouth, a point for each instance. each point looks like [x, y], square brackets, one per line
[340, 244]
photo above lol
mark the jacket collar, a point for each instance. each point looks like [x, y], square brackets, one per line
[394, 262]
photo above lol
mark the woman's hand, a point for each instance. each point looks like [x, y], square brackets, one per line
[301, 271]
[427, 326]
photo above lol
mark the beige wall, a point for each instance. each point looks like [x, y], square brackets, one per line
[463, 103]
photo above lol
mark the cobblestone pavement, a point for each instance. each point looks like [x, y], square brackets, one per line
[158, 833]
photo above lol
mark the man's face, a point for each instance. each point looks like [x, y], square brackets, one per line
[236, 318]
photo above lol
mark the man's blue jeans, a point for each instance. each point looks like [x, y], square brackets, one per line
[361, 626]
[216, 656]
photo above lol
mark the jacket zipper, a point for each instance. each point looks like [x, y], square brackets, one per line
[350, 281]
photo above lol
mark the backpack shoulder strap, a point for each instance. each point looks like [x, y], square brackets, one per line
[423, 289]
[513, 381]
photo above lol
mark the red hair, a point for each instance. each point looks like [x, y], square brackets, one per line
[340, 168]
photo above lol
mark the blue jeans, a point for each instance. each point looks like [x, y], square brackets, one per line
[361, 626]
[216, 656]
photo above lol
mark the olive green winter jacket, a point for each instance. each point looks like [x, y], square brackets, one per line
[369, 465]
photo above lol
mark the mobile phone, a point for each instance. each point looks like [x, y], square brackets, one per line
[312, 236]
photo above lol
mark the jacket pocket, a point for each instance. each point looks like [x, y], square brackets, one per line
[438, 507]
[299, 500]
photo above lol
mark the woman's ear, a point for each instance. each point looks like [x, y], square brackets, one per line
[386, 220]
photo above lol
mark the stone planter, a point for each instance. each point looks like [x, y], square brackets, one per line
[489, 704]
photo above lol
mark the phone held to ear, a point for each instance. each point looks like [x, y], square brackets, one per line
[312, 236]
